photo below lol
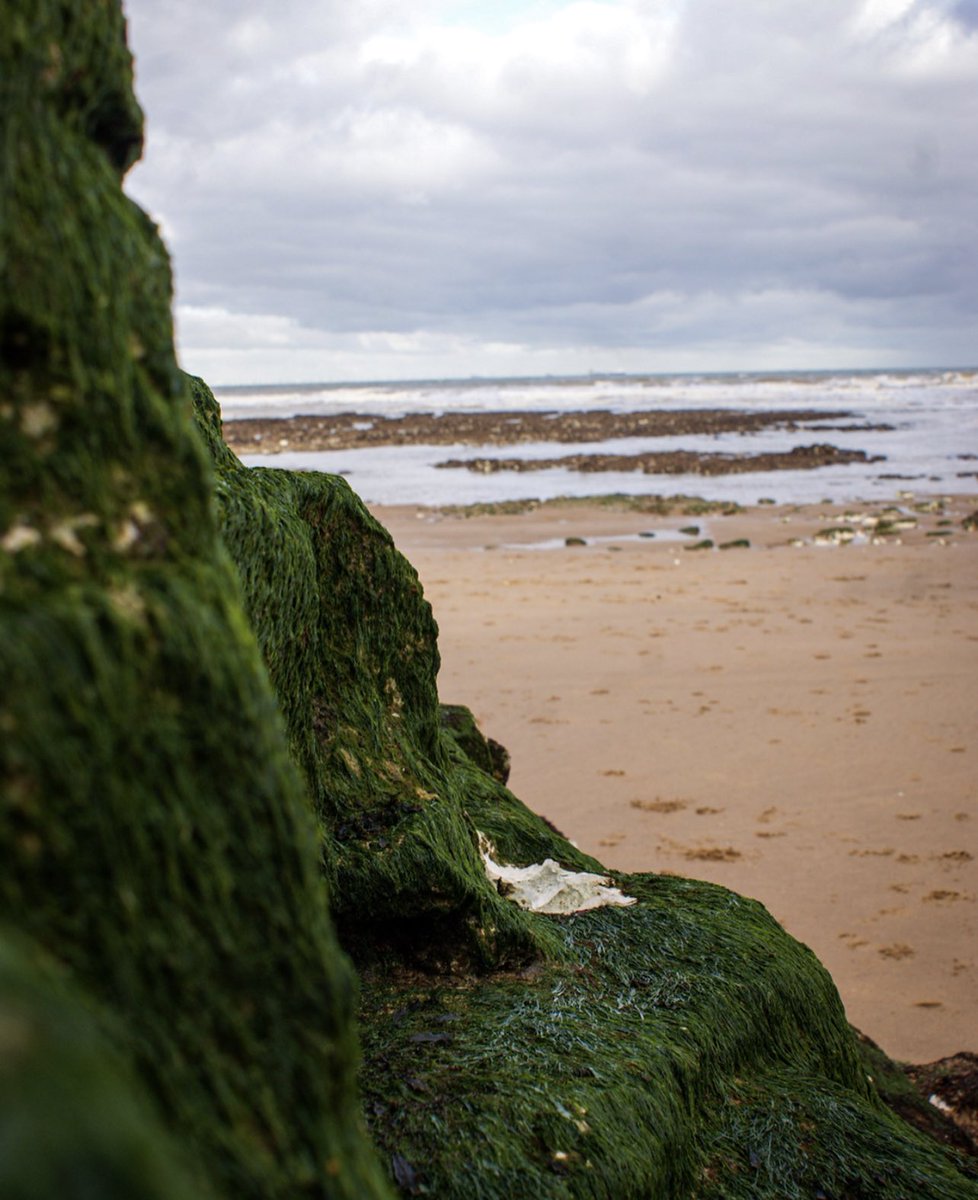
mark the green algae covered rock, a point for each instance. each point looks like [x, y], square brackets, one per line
[686, 1048]
[681, 1047]
[486, 753]
[155, 836]
[73, 1123]
[351, 647]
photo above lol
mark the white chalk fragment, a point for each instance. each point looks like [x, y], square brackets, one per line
[548, 887]
[37, 419]
[19, 537]
[126, 536]
[66, 535]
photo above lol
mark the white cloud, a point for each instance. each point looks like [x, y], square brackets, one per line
[563, 180]
[873, 16]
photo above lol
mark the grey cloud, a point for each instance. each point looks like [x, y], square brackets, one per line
[966, 11]
[763, 153]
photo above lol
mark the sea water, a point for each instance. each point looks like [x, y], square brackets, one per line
[931, 449]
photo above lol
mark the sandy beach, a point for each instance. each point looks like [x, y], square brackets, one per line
[793, 720]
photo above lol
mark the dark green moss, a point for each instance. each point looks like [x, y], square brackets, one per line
[778, 1140]
[691, 1050]
[155, 835]
[73, 1122]
[485, 753]
[351, 647]
[906, 1092]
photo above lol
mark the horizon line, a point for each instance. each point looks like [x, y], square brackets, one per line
[775, 373]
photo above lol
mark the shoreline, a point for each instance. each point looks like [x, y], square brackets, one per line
[791, 719]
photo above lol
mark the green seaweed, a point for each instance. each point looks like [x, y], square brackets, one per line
[351, 647]
[486, 753]
[776, 1139]
[73, 1121]
[684, 1040]
[156, 838]
[909, 1099]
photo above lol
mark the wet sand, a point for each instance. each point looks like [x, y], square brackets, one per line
[794, 721]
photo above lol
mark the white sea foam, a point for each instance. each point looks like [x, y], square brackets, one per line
[934, 415]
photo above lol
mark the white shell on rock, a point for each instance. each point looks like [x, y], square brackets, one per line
[548, 887]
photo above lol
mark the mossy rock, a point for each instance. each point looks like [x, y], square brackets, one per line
[351, 647]
[686, 1048]
[73, 1121]
[485, 753]
[156, 837]
[908, 1092]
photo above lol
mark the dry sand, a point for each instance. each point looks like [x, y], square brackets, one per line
[795, 722]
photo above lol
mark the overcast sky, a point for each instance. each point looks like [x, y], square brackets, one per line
[380, 189]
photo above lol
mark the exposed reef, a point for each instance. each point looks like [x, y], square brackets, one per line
[222, 755]
[673, 462]
[350, 431]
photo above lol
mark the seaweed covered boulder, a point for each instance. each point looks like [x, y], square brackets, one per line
[487, 754]
[679, 1046]
[156, 840]
[72, 1120]
[351, 647]
[686, 1049]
